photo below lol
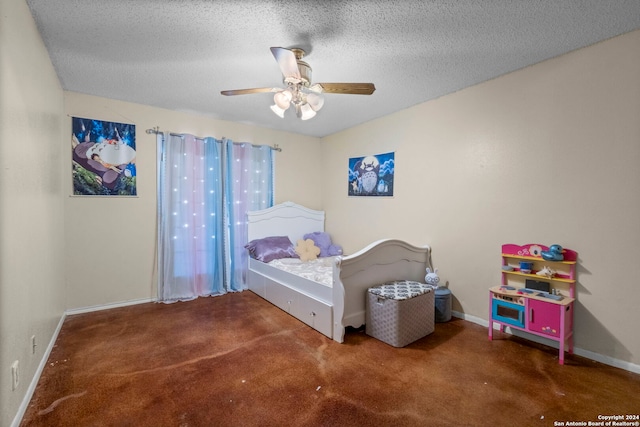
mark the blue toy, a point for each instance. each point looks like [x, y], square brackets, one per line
[553, 254]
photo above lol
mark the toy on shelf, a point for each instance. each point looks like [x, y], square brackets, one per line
[555, 253]
[547, 272]
[526, 266]
[432, 277]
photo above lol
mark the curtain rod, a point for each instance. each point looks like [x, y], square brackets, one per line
[156, 130]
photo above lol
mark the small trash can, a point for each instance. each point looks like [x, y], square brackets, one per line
[443, 304]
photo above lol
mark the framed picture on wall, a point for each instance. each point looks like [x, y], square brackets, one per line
[372, 175]
[103, 158]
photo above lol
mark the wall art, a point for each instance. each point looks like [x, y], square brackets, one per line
[372, 175]
[103, 158]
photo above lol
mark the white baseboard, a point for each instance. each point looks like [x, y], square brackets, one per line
[72, 311]
[36, 377]
[607, 360]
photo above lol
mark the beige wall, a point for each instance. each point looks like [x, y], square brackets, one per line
[32, 286]
[548, 154]
[111, 242]
[59, 252]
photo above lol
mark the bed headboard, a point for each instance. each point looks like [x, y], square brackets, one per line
[285, 219]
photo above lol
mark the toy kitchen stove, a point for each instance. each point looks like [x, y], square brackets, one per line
[509, 309]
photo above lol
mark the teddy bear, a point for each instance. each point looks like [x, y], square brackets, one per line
[307, 250]
[323, 241]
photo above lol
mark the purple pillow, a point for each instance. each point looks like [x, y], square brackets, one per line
[323, 241]
[270, 248]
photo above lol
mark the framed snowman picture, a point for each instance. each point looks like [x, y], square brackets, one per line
[372, 175]
[103, 158]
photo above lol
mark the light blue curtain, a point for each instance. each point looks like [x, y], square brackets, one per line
[191, 235]
[203, 202]
[249, 187]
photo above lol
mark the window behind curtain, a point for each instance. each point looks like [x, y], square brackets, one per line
[249, 188]
[201, 200]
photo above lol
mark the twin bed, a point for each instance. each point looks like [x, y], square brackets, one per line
[332, 300]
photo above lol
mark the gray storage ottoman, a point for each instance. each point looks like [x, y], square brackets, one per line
[400, 312]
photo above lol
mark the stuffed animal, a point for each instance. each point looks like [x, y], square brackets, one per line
[307, 250]
[432, 278]
[553, 254]
[547, 272]
[323, 241]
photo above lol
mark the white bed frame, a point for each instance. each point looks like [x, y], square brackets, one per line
[328, 309]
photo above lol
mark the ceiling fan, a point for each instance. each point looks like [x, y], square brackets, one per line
[307, 98]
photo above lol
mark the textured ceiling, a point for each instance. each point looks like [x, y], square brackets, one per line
[179, 55]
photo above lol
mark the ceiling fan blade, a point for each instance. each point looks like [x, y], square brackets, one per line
[287, 62]
[348, 88]
[248, 91]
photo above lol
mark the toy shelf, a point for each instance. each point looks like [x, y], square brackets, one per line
[536, 258]
[558, 278]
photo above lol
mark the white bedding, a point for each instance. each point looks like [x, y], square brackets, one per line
[318, 270]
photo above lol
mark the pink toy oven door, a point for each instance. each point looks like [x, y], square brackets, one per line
[544, 317]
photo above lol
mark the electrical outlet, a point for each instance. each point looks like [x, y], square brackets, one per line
[33, 344]
[15, 379]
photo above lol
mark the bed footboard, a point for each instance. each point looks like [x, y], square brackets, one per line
[381, 261]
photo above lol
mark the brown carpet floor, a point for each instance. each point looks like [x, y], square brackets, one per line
[236, 360]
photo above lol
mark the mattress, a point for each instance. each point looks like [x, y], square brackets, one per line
[319, 270]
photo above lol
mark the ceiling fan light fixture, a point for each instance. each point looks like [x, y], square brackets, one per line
[317, 88]
[282, 99]
[306, 112]
[279, 111]
[315, 100]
